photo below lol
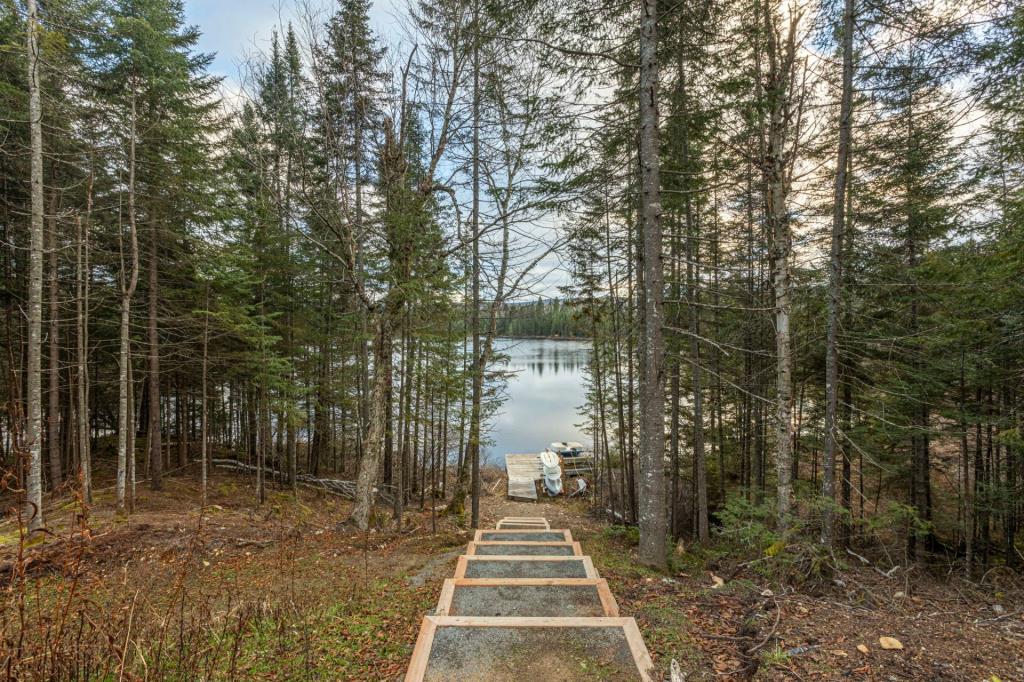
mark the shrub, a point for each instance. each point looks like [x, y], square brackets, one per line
[793, 556]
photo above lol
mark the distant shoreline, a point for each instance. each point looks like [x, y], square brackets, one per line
[542, 338]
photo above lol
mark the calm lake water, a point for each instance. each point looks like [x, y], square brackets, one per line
[542, 397]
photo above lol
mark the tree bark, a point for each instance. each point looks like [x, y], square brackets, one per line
[53, 389]
[82, 343]
[474, 314]
[155, 444]
[204, 434]
[652, 429]
[33, 511]
[125, 430]
[776, 189]
[373, 451]
[700, 482]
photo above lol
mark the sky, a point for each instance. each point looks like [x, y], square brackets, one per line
[233, 28]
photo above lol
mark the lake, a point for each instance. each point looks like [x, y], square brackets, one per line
[542, 398]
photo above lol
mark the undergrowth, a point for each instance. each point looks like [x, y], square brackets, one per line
[295, 611]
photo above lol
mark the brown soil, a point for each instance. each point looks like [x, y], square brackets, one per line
[950, 629]
[347, 605]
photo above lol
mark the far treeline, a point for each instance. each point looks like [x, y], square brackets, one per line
[550, 319]
[793, 232]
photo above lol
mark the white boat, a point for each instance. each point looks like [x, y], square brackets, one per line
[567, 448]
[552, 472]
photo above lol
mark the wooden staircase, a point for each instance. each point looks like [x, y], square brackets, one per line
[527, 604]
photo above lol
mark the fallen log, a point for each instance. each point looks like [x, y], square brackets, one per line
[334, 486]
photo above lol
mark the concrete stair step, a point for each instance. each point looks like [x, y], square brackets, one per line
[525, 567]
[523, 535]
[524, 549]
[520, 525]
[545, 597]
[478, 649]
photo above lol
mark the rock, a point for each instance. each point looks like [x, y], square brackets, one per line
[863, 648]
[890, 643]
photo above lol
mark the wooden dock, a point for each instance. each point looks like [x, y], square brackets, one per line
[523, 473]
[541, 613]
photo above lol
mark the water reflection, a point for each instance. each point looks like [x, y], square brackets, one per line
[542, 396]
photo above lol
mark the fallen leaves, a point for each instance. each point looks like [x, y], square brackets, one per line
[890, 643]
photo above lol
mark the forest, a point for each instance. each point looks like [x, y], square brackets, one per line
[555, 318]
[792, 232]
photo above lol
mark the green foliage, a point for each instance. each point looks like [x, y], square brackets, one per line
[896, 523]
[794, 556]
[551, 318]
[627, 534]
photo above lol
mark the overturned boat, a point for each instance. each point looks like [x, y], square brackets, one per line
[552, 473]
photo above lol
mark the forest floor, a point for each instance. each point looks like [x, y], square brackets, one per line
[288, 591]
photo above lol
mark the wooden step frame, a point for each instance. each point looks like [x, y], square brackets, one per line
[421, 654]
[521, 525]
[464, 561]
[444, 604]
[478, 536]
[474, 545]
[525, 523]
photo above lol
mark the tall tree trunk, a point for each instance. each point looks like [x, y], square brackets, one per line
[633, 259]
[781, 62]
[53, 388]
[156, 446]
[181, 420]
[125, 432]
[81, 355]
[617, 367]
[700, 482]
[700, 478]
[835, 269]
[33, 512]
[373, 450]
[399, 463]
[205, 429]
[131, 430]
[652, 429]
[474, 314]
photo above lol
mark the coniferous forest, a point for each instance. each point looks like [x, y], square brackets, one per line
[259, 319]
